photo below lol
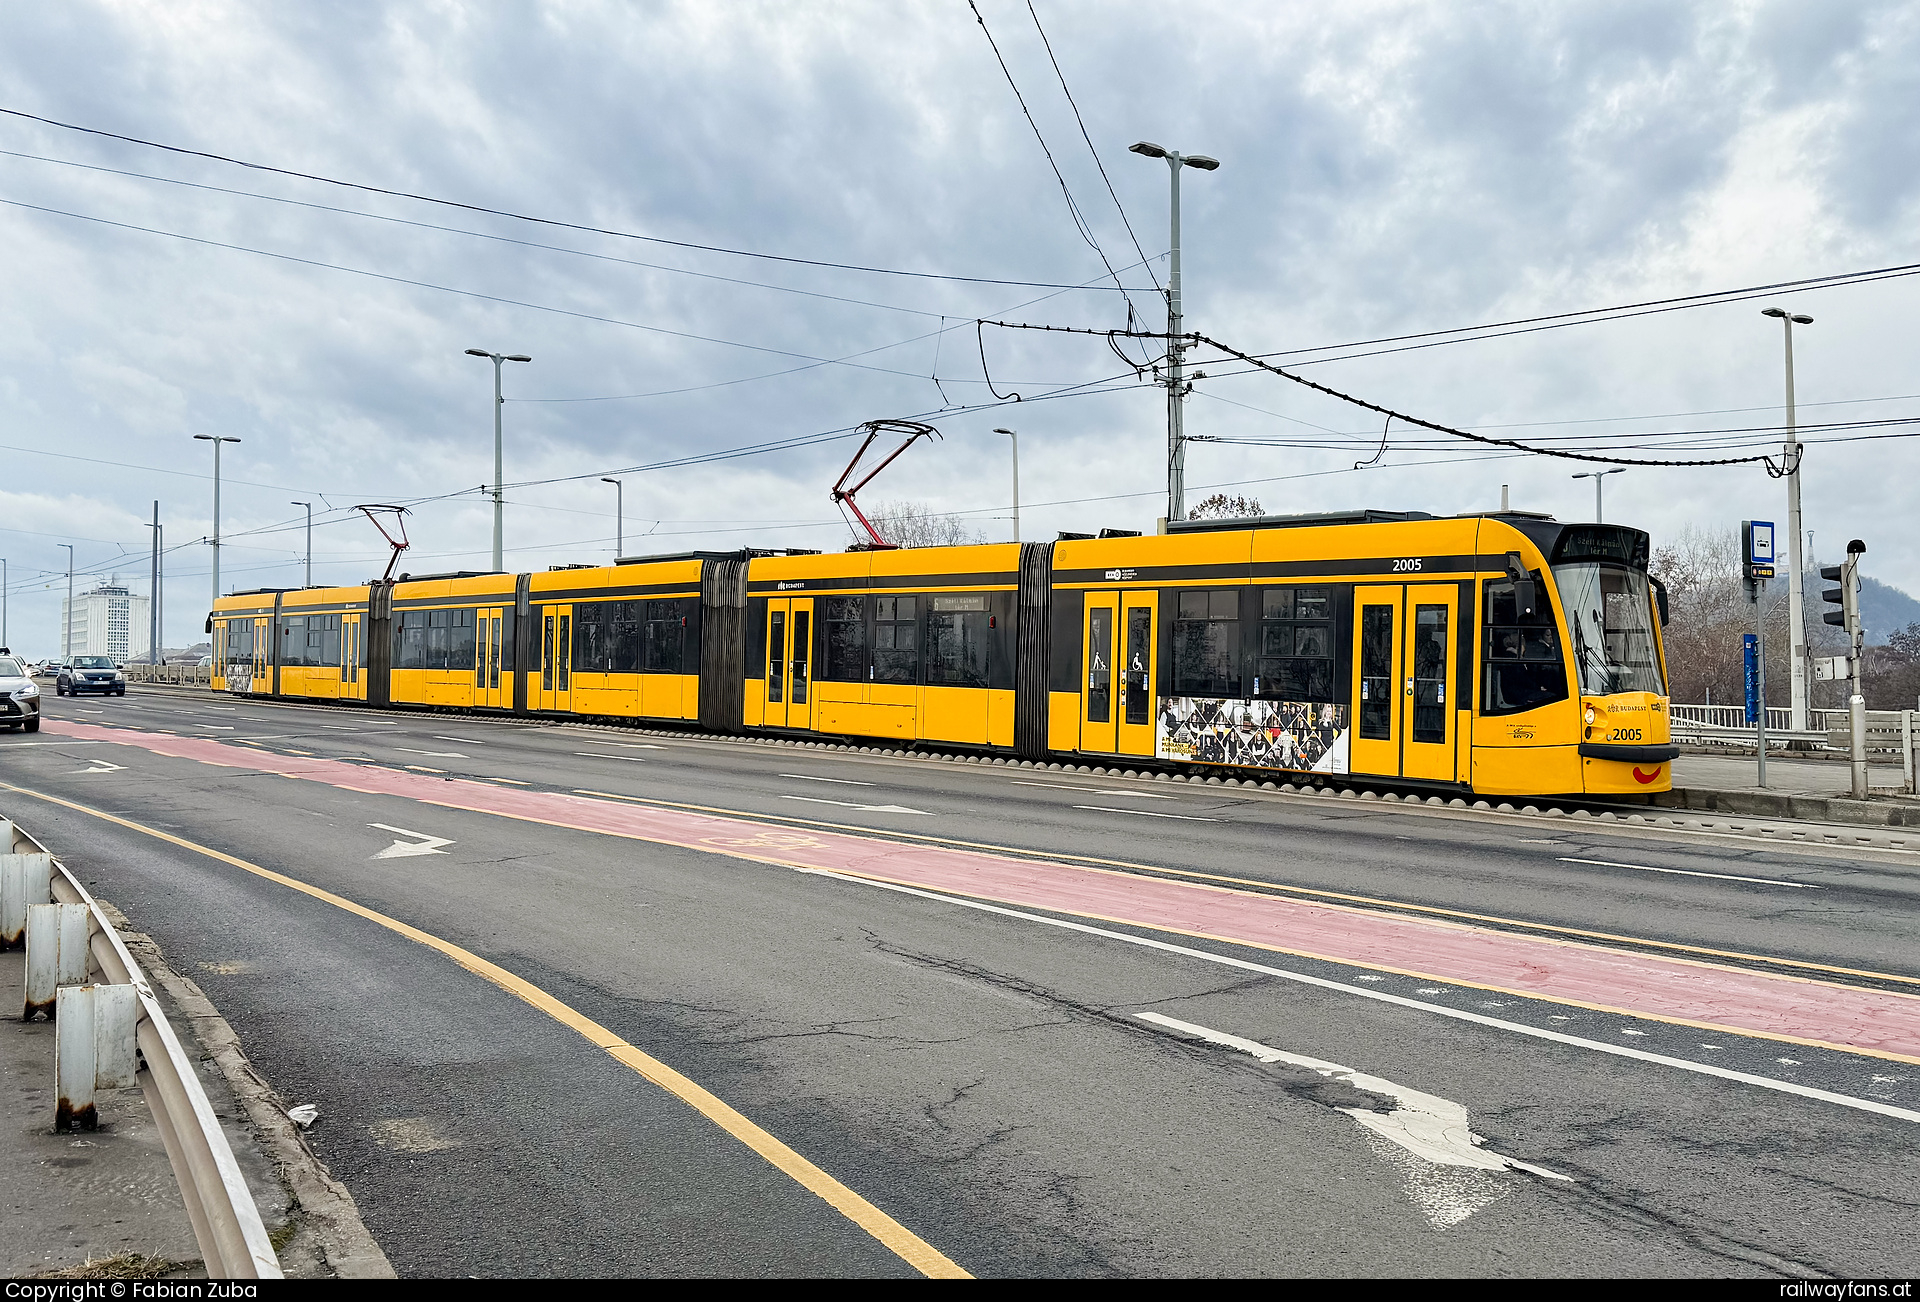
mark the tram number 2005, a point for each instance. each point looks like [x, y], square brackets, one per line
[1406, 565]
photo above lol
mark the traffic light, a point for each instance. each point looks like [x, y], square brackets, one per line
[1847, 595]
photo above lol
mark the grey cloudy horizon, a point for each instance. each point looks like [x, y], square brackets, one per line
[1386, 169]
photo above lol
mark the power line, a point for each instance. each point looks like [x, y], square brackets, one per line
[524, 217]
[1079, 221]
[1064, 90]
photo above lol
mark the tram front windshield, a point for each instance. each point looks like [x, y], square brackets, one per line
[1610, 615]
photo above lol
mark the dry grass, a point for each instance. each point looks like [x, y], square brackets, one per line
[128, 1265]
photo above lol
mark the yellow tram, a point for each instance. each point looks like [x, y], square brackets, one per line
[1504, 654]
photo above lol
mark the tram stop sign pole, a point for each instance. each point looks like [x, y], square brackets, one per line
[1756, 545]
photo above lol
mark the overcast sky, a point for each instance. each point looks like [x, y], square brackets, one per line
[1386, 169]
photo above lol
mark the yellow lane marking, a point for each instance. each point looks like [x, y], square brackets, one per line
[904, 1243]
[1342, 896]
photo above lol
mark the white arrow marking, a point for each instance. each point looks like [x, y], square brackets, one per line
[1426, 1125]
[401, 849]
[102, 766]
[870, 809]
[844, 782]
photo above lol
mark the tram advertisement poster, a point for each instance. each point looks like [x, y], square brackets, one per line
[1299, 736]
[240, 677]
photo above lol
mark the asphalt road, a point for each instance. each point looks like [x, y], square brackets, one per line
[986, 1080]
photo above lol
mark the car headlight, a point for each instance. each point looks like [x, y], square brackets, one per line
[26, 693]
[119, 677]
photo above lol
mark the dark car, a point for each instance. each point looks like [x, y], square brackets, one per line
[90, 674]
[19, 698]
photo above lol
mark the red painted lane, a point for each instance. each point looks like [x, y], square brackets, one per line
[1878, 1022]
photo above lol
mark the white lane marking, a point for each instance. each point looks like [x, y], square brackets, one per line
[601, 754]
[468, 740]
[434, 754]
[1426, 1125]
[401, 849]
[871, 809]
[1683, 872]
[12, 744]
[808, 777]
[1148, 813]
[217, 727]
[1096, 791]
[1401, 1001]
[634, 745]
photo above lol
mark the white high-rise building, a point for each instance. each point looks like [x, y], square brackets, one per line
[109, 621]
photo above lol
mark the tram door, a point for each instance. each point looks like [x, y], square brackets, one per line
[1117, 701]
[262, 656]
[556, 658]
[490, 688]
[789, 662]
[351, 688]
[1405, 651]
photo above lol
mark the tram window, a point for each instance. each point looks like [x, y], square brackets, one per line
[776, 655]
[1430, 674]
[1522, 661]
[1376, 672]
[896, 648]
[595, 635]
[957, 640]
[410, 640]
[664, 637]
[1206, 644]
[1139, 666]
[1296, 645]
[1099, 664]
[845, 620]
[293, 640]
[328, 644]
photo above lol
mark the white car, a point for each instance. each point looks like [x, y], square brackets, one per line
[19, 696]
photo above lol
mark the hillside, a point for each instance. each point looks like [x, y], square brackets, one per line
[1884, 608]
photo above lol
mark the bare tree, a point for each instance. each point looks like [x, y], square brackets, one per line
[1222, 507]
[913, 524]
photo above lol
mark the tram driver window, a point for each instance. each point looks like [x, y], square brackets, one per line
[1206, 644]
[1523, 665]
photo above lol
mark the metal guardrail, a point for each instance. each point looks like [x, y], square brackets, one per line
[178, 675]
[226, 1223]
[1731, 717]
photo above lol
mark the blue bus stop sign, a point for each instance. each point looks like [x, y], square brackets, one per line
[1752, 644]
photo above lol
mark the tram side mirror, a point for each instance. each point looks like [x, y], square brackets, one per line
[1660, 600]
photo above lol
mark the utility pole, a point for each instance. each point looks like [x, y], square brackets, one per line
[153, 589]
[1014, 435]
[1177, 386]
[1796, 596]
[3, 602]
[619, 516]
[66, 632]
[216, 440]
[499, 499]
[309, 506]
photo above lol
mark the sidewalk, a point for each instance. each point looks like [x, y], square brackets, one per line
[71, 1199]
[1786, 777]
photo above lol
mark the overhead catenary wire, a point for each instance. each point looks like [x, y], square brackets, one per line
[1079, 219]
[524, 217]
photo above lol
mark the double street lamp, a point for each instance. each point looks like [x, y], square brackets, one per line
[1176, 346]
[1597, 476]
[499, 500]
[216, 440]
[1796, 596]
[1015, 436]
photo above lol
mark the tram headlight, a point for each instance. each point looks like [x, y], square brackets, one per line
[1590, 716]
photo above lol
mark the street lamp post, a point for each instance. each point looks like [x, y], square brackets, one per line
[216, 440]
[309, 506]
[3, 602]
[1015, 436]
[1597, 476]
[66, 630]
[1797, 630]
[619, 515]
[499, 500]
[1176, 348]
